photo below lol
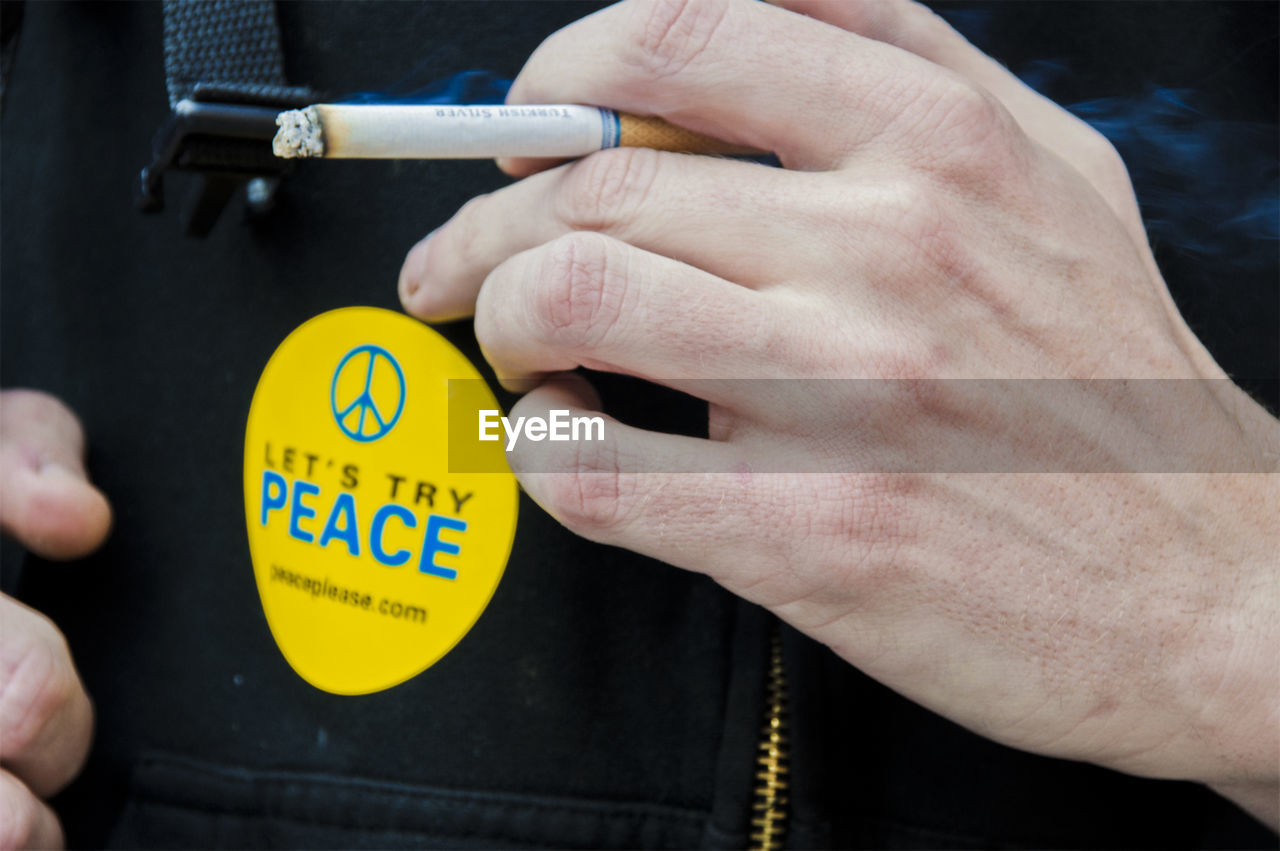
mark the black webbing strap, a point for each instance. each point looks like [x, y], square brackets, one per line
[224, 69]
[10, 26]
[231, 44]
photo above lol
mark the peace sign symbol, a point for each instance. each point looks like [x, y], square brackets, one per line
[363, 416]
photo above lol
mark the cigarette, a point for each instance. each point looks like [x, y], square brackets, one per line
[432, 131]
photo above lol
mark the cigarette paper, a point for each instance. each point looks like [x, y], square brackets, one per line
[432, 131]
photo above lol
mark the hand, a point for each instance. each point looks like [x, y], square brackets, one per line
[936, 220]
[46, 719]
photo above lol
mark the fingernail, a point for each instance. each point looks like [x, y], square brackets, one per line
[414, 270]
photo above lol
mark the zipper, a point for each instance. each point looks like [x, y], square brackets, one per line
[769, 819]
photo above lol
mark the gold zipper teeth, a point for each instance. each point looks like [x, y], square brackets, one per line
[770, 821]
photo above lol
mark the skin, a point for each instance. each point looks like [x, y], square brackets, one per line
[46, 719]
[935, 220]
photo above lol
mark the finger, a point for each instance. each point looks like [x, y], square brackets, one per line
[656, 201]
[915, 28]
[46, 501]
[740, 71]
[589, 300]
[25, 821]
[605, 489]
[46, 719]
[666, 497]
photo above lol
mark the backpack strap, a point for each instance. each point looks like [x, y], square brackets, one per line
[230, 43]
[224, 71]
[10, 26]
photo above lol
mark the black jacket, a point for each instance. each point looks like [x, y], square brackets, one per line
[603, 699]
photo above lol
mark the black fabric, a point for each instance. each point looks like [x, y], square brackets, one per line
[602, 700]
[171, 803]
[157, 341]
[908, 779]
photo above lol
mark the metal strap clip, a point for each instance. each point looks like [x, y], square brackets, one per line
[223, 134]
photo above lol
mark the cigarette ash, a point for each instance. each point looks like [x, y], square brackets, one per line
[1207, 187]
[300, 134]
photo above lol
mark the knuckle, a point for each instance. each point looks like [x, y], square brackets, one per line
[925, 238]
[590, 497]
[969, 113]
[973, 139]
[36, 683]
[606, 189]
[909, 212]
[578, 291]
[673, 33]
[908, 206]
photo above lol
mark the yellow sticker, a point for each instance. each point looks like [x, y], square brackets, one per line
[372, 559]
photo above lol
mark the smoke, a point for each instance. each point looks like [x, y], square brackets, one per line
[473, 87]
[1186, 93]
[1208, 188]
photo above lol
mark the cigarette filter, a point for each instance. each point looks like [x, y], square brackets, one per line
[432, 131]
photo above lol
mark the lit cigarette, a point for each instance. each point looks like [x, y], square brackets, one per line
[432, 131]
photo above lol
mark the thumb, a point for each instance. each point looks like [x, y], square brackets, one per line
[46, 501]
